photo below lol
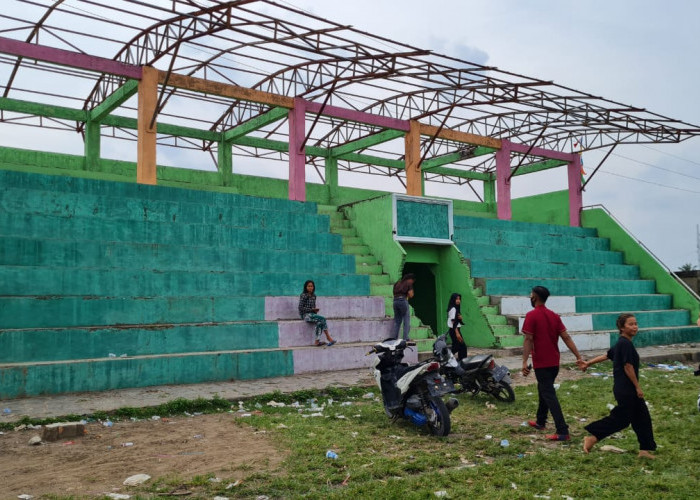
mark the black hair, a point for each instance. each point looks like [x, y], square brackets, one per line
[409, 276]
[306, 283]
[541, 292]
[622, 319]
[453, 303]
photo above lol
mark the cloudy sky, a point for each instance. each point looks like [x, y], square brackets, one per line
[643, 53]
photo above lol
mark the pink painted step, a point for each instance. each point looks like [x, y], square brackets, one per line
[285, 307]
[345, 331]
[339, 357]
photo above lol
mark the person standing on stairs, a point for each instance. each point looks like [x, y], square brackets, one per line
[454, 321]
[403, 291]
[309, 313]
[542, 329]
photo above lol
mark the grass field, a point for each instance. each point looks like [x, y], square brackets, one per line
[377, 459]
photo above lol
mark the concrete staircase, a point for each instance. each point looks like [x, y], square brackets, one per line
[381, 284]
[590, 285]
[107, 285]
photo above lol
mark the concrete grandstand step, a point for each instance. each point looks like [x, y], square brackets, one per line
[466, 237]
[344, 330]
[68, 184]
[16, 251]
[474, 251]
[356, 307]
[73, 343]
[572, 270]
[54, 311]
[522, 286]
[56, 377]
[116, 208]
[129, 282]
[90, 228]
[485, 223]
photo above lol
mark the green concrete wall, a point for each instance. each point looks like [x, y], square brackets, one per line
[635, 254]
[547, 208]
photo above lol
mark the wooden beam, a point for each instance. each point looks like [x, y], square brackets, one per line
[414, 184]
[146, 150]
[457, 136]
[224, 90]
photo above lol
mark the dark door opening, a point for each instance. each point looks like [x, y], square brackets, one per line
[423, 301]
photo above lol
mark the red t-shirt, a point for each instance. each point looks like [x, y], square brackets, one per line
[545, 326]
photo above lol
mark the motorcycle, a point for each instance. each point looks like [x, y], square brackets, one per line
[412, 392]
[474, 374]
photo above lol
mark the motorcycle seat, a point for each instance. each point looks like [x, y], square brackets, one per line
[474, 361]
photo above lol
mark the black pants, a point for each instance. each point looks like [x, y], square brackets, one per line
[630, 409]
[549, 403]
[459, 349]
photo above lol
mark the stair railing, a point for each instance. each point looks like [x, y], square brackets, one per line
[639, 242]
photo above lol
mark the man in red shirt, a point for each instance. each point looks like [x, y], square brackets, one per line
[542, 329]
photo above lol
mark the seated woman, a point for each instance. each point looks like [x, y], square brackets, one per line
[308, 312]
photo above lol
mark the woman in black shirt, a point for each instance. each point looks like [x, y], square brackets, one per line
[631, 407]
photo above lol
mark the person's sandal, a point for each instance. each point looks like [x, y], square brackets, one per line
[320, 344]
[331, 343]
[558, 437]
[534, 424]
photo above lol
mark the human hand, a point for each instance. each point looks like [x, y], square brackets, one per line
[640, 394]
[526, 370]
[582, 364]
[316, 309]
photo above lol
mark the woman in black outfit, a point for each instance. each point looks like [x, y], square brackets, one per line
[631, 407]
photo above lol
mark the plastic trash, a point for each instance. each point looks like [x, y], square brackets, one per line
[331, 454]
[505, 443]
[368, 395]
[107, 423]
[112, 355]
[127, 444]
[136, 479]
[610, 406]
[6, 411]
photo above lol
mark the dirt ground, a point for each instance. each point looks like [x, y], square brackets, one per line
[99, 462]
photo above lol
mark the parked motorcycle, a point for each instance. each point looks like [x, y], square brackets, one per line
[474, 374]
[412, 392]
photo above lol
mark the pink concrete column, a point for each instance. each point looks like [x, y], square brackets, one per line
[297, 151]
[504, 210]
[575, 191]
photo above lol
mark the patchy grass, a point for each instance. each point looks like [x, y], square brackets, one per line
[378, 459]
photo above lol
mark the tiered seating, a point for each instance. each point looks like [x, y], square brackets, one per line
[590, 285]
[107, 285]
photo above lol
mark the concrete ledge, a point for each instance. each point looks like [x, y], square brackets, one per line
[339, 357]
[300, 333]
[520, 306]
[281, 308]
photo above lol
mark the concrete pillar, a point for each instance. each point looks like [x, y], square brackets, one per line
[146, 152]
[332, 178]
[575, 191]
[297, 151]
[502, 181]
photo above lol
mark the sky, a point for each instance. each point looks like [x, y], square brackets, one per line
[638, 52]
[643, 53]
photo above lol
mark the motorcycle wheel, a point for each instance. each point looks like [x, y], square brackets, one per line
[438, 417]
[502, 391]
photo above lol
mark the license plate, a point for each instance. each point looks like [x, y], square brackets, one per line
[500, 372]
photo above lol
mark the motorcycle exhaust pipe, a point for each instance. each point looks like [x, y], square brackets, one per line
[451, 404]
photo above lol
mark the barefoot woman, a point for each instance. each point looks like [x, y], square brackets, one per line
[631, 407]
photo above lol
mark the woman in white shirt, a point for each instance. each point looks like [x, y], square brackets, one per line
[454, 321]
